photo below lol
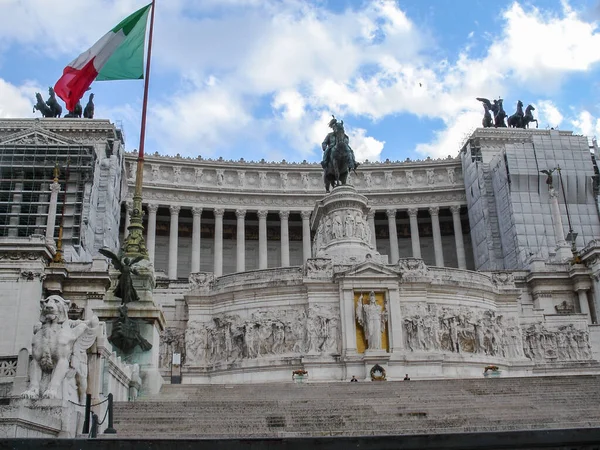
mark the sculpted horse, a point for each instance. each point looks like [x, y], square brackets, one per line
[336, 172]
[53, 103]
[528, 117]
[516, 120]
[499, 114]
[76, 113]
[88, 112]
[41, 106]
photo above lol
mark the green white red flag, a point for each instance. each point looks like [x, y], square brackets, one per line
[118, 55]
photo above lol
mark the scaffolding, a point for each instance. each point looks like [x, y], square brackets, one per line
[26, 173]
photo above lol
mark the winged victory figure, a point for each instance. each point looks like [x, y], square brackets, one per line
[487, 121]
[124, 290]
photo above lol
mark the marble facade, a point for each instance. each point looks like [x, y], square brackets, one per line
[259, 273]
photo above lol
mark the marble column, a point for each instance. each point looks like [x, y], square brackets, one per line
[371, 220]
[262, 239]
[218, 246]
[196, 224]
[414, 232]
[306, 247]
[437, 235]
[394, 256]
[151, 236]
[51, 223]
[285, 238]
[241, 241]
[173, 241]
[458, 237]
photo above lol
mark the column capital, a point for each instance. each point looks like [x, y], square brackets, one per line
[196, 210]
[391, 213]
[284, 215]
[262, 213]
[412, 212]
[174, 209]
[455, 209]
[152, 207]
[240, 213]
[55, 187]
[305, 215]
[371, 214]
[219, 212]
[434, 210]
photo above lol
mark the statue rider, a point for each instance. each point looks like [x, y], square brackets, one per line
[330, 142]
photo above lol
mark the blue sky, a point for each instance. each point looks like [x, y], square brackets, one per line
[258, 79]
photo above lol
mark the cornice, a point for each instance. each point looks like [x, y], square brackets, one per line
[252, 201]
[513, 134]
[242, 164]
[374, 180]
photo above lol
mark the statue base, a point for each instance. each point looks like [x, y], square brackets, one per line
[44, 418]
[151, 321]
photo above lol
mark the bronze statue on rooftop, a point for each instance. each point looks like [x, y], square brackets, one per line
[338, 156]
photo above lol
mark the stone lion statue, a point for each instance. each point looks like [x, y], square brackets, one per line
[59, 351]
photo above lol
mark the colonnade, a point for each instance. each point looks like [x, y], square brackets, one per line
[284, 236]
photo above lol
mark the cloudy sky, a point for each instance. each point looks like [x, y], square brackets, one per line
[260, 79]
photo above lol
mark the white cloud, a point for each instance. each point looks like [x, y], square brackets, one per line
[197, 121]
[365, 147]
[369, 61]
[561, 44]
[586, 124]
[548, 114]
[60, 27]
[17, 101]
[291, 103]
[447, 141]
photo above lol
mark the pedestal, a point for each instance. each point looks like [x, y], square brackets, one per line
[151, 320]
[24, 418]
[342, 228]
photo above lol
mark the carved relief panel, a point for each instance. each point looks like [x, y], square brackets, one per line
[264, 333]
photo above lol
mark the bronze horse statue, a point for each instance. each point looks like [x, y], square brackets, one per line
[42, 107]
[520, 119]
[88, 112]
[336, 172]
[516, 119]
[53, 103]
[76, 113]
[499, 114]
[528, 117]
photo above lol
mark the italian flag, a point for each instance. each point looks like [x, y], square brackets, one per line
[118, 55]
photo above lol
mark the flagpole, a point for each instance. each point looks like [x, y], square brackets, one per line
[134, 244]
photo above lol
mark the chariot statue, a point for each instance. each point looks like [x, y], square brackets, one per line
[497, 109]
[338, 156]
[520, 119]
[50, 108]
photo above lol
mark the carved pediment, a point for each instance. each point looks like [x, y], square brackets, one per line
[370, 269]
[35, 136]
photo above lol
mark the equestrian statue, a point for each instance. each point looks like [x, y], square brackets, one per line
[338, 156]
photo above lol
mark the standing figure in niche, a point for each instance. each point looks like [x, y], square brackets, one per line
[371, 317]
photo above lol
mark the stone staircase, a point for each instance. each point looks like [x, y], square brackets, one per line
[361, 409]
